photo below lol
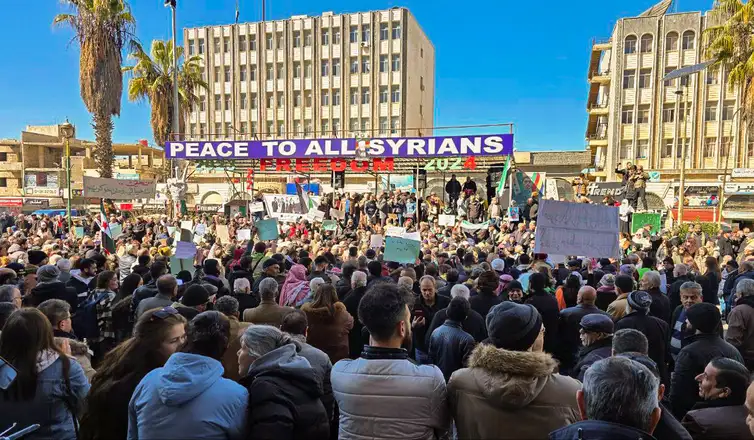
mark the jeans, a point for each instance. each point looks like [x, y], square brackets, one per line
[453, 201]
[641, 193]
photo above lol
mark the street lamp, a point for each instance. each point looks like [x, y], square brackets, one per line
[67, 130]
[175, 127]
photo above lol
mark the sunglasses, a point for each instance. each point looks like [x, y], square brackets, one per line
[164, 313]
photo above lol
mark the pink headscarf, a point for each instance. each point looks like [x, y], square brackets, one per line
[295, 287]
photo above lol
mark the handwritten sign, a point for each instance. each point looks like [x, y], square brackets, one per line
[376, 241]
[184, 249]
[330, 225]
[268, 229]
[256, 207]
[79, 231]
[187, 224]
[447, 220]
[200, 229]
[99, 188]
[222, 233]
[401, 250]
[412, 236]
[178, 265]
[171, 230]
[243, 234]
[565, 228]
[395, 231]
[116, 230]
[336, 214]
[315, 215]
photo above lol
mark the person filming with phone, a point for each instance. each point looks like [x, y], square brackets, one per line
[427, 304]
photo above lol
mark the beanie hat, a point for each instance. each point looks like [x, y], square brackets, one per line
[36, 257]
[639, 301]
[513, 326]
[704, 317]
[195, 295]
[47, 273]
[514, 285]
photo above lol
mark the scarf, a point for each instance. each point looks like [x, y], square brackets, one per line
[296, 286]
[676, 340]
[46, 358]
[748, 300]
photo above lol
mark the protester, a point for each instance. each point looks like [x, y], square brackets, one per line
[660, 306]
[547, 306]
[570, 325]
[597, 341]
[188, 397]
[628, 340]
[606, 292]
[682, 276]
[242, 294]
[11, 294]
[473, 324]
[268, 311]
[270, 269]
[449, 345]
[228, 306]
[624, 284]
[427, 304]
[167, 290]
[81, 278]
[740, 332]
[193, 302]
[58, 312]
[358, 283]
[329, 323]
[49, 287]
[639, 303]
[690, 294]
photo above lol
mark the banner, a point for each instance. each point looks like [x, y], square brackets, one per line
[401, 250]
[475, 227]
[524, 184]
[639, 219]
[414, 147]
[99, 188]
[581, 229]
[285, 208]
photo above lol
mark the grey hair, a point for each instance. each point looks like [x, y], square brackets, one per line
[227, 305]
[747, 266]
[241, 284]
[358, 279]
[315, 283]
[620, 390]
[745, 287]
[406, 282]
[268, 288]
[691, 285]
[259, 340]
[459, 290]
[428, 278]
[6, 293]
[64, 265]
[680, 269]
[629, 340]
[56, 310]
[652, 278]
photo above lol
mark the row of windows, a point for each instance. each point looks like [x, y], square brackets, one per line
[249, 42]
[306, 129]
[223, 102]
[712, 75]
[668, 113]
[688, 42]
[709, 147]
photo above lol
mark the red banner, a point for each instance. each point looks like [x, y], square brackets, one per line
[11, 202]
[126, 206]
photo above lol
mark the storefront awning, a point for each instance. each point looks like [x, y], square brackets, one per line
[739, 207]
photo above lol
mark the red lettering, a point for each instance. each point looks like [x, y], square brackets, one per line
[359, 166]
[264, 163]
[303, 165]
[283, 165]
[338, 164]
[470, 163]
[387, 164]
[320, 165]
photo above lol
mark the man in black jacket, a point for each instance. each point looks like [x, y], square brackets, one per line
[656, 330]
[427, 305]
[597, 340]
[343, 285]
[270, 269]
[81, 281]
[241, 271]
[156, 270]
[453, 188]
[681, 274]
[547, 306]
[473, 324]
[48, 287]
[449, 346]
[725, 244]
[703, 319]
[356, 339]
[570, 324]
[660, 307]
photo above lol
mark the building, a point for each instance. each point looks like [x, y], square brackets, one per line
[334, 75]
[636, 117]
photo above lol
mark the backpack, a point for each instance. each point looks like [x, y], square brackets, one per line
[85, 319]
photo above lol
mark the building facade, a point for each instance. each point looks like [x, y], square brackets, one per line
[635, 116]
[334, 75]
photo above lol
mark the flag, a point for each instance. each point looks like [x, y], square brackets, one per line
[305, 201]
[503, 177]
[538, 181]
[107, 238]
[237, 11]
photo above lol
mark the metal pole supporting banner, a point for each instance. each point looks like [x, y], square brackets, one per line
[68, 181]
[176, 125]
[686, 140]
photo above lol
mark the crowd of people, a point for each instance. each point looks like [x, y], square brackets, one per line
[316, 336]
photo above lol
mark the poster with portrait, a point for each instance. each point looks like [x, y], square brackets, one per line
[285, 207]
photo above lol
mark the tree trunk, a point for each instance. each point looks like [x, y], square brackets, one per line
[103, 152]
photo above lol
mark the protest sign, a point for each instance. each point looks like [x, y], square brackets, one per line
[447, 220]
[565, 228]
[513, 214]
[412, 236]
[221, 231]
[639, 219]
[184, 249]
[116, 230]
[187, 224]
[395, 231]
[267, 229]
[376, 241]
[116, 189]
[285, 207]
[474, 226]
[401, 250]
[171, 230]
[178, 264]
[339, 215]
[79, 230]
[243, 234]
[330, 225]
[315, 215]
[200, 229]
[256, 207]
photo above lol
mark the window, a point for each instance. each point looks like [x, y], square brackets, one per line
[630, 45]
[268, 42]
[383, 64]
[336, 35]
[365, 33]
[642, 147]
[226, 44]
[325, 99]
[192, 131]
[626, 150]
[396, 63]
[354, 65]
[354, 34]
[325, 37]
[307, 69]
[307, 128]
[218, 129]
[728, 111]
[667, 148]
[709, 147]
[281, 71]
[668, 113]
[325, 127]
[750, 149]
[202, 129]
[201, 46]
[270, 128]
[353, 125]
[383, 126]
[336, 126]
[307, 38]
[336, 67]
[279, 40]
[645, 79]
[669, 83]
[365, 126]
[252, 42]
[336, 97]
[394, 125]
[671, 41]
[325, 67]
[296, 128]
[396, 30]
[253, 73]
[308, 98]
[227, 102]
[712, 73]
[365, 65]
[682, 143]
[243, 101]
[297, 99]
[384, 32]
[643, 116]
[365, 96]
[646, 43]
[629, 77]
[218, 102]
[216, 44]
[627, 115]
[191, 47]
[710, 112]
[725, 147]
[270, 72]
[217, 74]
[202, 103]
[226, 75]
[242, 43]
[396, 94]
[383, 95]
[685, 81]
[281, 129]
[270, 100]
[297, 39]
[253, 100]
[281, 99]
[297, 70]
[688, 40]
[354, 96]
[242, 73]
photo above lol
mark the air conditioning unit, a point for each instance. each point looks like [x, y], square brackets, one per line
[364, 45]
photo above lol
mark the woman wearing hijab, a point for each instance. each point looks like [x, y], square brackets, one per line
[295, 287]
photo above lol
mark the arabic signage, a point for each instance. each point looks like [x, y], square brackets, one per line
[11, 202]
[742, 172]
[41, 179]
[36, 203]
[438, 146]
[100, 188]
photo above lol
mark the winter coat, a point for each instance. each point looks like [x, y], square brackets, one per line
[589, 355]
[483, 302]
[80, 285]
[717, 420]
[328, 330]
[237, 273]
[383, 394]
[124, 265]
[47, 407]
[657, 332]
[219, 283]
[79, 350]
[547, 306]
[740, 332]
[710, 286]
[355, 338]
[669, 428]
[268, 312]
[605, 296]
[674, 292]
[617, 308]
[187, 398]
[449, 347]
[54, 290]
[511, 395]
[343, 288]
[568, 333]
[284, 398]
[660, 307]
[230, 358]
[320, 361]
[698, 350]
[473, 325]
[453, 187]
[148, 290]
[599, 430]
[420, 333]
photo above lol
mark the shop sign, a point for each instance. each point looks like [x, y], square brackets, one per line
[126, 206]
[208, 208]
[126, 176]
[11, 202]
[42, 191]
[739, 188]
[597, 191]
[37, 203]
[742, 172]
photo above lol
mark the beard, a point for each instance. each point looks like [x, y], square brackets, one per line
[407, 343]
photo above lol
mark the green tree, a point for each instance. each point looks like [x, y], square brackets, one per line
[102, 29]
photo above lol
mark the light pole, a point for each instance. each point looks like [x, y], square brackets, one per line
[725, 173]
[66, 129]
[685, 140]
[175, 127]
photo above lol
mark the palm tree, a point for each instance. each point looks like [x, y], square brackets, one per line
[102, 28]
[731, 46]
[152, 80]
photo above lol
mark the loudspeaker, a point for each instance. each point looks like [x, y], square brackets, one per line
[420, 179]
[338, 179]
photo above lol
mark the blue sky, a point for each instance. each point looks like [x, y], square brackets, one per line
[496, 60]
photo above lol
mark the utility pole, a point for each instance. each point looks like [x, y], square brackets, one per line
[176, 125]
[685, 140]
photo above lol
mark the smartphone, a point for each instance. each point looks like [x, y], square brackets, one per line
[419, 313]
[8, 374]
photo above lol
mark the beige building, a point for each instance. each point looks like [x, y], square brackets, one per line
[330, 75]
[636, 117]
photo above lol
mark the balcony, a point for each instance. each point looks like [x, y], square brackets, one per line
[11, 166]
[599, 45]
[597, 140]
[599, 77]
[598, 109]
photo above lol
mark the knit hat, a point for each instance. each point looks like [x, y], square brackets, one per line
[608, 280]
[514, 285]
[513, 326]
[36, 257]
[47, 273]
[195, 295]
[639, 301]
[704, 317]
[498, 265]
[627, 269]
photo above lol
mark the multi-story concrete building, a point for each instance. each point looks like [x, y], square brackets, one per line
[634, 116]
[331, 75]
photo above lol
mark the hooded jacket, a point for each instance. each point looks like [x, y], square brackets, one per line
[187, 398]
[599, 430]
[329, 331]
[507, 394]
[285, 398]
[53, 290]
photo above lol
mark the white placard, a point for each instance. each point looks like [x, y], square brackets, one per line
[416, 236]
[187, 225]
[447, 220]
[285, 207]
[565, 228]
[315, 215]
[376, 241]
[243, 234]
[336, 214]
[256, 207]
[99, 188]
[394, 231]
